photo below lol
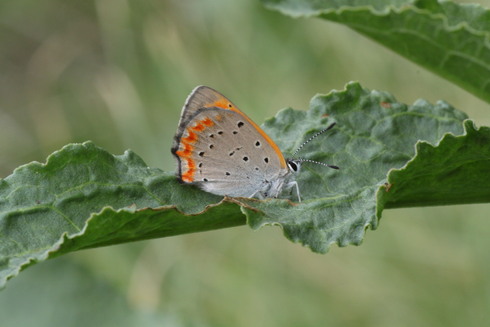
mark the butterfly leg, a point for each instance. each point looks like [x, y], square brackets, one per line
[294, 183]
[257, 194]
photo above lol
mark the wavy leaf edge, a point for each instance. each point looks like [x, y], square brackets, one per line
[468, 125]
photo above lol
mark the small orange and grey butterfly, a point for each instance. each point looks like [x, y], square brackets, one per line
[222, 151]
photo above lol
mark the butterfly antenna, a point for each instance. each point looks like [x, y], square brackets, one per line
[313, 137]
[316, 162]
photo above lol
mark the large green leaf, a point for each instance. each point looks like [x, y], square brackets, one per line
[85, 197]
[447, 38]
[374, 135]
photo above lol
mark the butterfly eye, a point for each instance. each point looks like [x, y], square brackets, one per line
[293, 166]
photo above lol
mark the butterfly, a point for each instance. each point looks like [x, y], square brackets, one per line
[222, 151]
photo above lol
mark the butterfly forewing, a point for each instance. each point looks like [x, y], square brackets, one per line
[201, 97]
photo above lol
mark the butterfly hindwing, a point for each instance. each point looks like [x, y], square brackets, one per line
[223, 153]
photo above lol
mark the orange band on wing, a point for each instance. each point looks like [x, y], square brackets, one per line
[201, 125]
[198, 127]
[207, 122]
[223, 104]
[191, 137]
[188, 176]
[186, 152]
[186, 148]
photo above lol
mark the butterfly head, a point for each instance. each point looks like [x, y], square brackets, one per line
[294, 164]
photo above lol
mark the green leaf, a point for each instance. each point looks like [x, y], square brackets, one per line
[85, 197]
[456, 171]
[447, 38]
[374, 134]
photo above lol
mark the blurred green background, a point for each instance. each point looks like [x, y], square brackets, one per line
[118, 72]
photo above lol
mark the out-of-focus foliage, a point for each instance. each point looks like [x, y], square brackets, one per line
[444, 37]
[77, 297]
